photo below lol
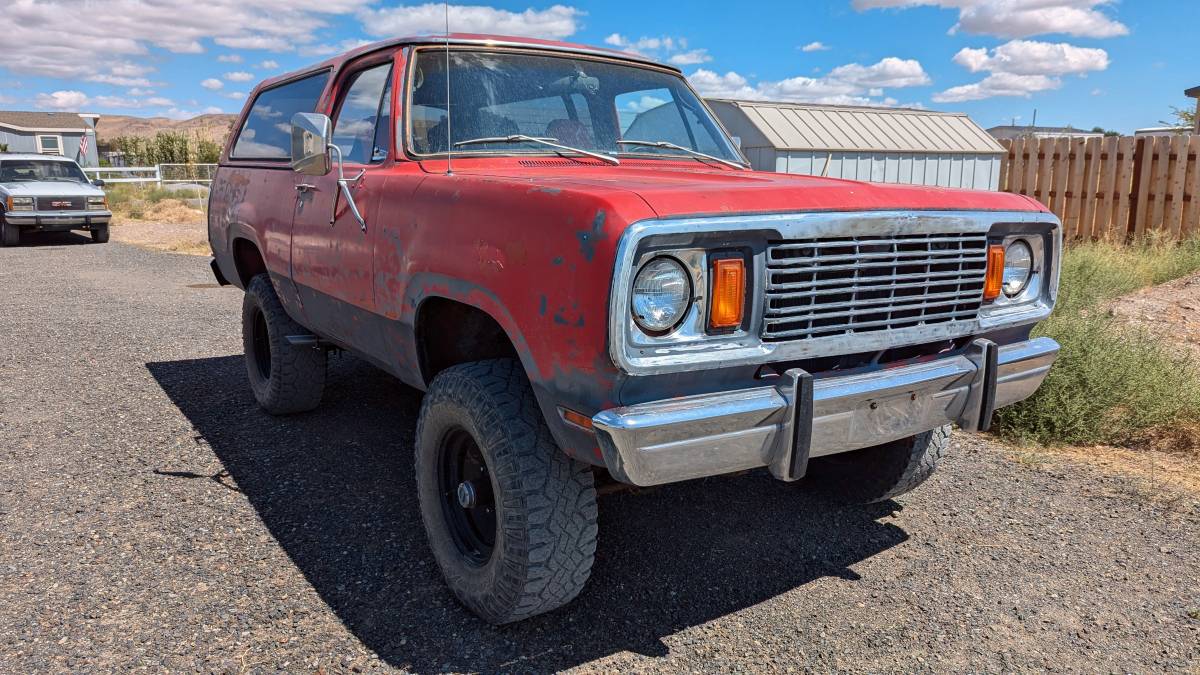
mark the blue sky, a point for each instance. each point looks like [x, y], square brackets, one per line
[1120, 65]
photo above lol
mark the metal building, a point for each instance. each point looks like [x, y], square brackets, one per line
[883, 145]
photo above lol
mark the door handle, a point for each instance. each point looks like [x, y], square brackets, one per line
[305, 187]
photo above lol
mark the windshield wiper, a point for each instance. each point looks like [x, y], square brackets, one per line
[695, 153]
[549, 142]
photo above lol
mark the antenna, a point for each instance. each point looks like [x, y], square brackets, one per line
[449, 113]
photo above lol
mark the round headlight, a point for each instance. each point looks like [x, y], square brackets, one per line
[1018, 267]
[661, 295]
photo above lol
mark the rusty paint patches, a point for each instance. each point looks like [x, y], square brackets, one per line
[588, 238]
[542, 306]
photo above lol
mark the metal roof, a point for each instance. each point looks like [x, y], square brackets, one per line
[43, 121]
[1194, 92]
[806, 126]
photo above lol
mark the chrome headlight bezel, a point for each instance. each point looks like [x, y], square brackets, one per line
[100, 201]
[20, 203]
[663, 264]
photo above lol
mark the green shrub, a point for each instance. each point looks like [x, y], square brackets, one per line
[1111, 382]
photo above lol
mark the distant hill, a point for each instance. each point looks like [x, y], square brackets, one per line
[209, 127]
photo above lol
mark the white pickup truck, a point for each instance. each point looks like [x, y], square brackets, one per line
[41, 193]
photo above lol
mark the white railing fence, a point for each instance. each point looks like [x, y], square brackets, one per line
[160, 174]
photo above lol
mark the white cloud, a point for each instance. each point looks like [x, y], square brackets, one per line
[127, 30]
[212, 84]
[1022, 68]
[851, 84]
[236, 95]
[138, 91]
[63, 100]
[690, 58]
[999, 84]
[239, 76]
[230, 58]
[1025, 57]
[182, 114]
[269, 64]
[889, 72]
[555, 23]
[1019, 18]
[817, 46]
[330, 50]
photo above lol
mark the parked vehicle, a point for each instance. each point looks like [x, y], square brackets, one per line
[43, 193]
[583, 295]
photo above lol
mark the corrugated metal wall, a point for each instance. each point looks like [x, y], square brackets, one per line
[979, 172]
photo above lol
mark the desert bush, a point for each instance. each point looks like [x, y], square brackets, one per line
[1112, 382]
[165, 148]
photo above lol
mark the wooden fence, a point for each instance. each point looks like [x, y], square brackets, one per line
[1113, 188]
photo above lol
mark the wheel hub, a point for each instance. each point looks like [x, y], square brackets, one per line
[466, 495]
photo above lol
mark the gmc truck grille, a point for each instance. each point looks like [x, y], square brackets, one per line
[847, 285]
[61, 203]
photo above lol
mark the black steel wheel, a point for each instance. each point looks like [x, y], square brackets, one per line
[468, 497]
[511, 520]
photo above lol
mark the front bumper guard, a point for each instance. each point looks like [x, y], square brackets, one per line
[58, 220]
[782, 426]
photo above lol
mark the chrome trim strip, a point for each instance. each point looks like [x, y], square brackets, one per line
[710, 434]
[747, 347]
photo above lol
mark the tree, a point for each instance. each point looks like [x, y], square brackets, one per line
[1183, 118]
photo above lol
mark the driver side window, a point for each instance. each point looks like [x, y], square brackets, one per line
[364, 118]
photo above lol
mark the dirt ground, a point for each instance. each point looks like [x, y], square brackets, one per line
[169, 225]
[1170, 311]
[153, 518]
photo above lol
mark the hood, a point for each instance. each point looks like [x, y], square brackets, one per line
[675, 189]
[51, 188]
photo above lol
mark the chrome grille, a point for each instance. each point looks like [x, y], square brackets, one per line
[846, 285]
[61, 203]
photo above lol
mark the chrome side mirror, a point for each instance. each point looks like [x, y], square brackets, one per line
[311, 135]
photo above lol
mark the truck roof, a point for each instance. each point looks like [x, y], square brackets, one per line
[473, 39]
[34, 155]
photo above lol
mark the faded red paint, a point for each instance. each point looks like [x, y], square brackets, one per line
[533, 246]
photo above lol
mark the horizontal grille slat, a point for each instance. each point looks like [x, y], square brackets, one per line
[61, 203]
[833, 286]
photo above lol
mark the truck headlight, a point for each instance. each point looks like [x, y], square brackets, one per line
[101, 201]
[1018, 267]
[20, 203]
[662, 293]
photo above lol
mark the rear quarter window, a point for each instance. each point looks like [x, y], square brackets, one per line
[267, 131]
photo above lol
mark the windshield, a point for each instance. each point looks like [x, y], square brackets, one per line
[29, 170]
[577, 102]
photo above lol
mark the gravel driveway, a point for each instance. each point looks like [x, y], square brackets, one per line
[151, 517]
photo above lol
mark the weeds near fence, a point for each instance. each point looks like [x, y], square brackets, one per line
[1112, 384]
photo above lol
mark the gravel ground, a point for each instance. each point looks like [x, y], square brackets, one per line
[152, 518]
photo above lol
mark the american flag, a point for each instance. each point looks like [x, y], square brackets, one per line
[83, 145]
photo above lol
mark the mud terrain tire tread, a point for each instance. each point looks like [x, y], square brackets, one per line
[546, 501]
[297, 372]
[881, 472]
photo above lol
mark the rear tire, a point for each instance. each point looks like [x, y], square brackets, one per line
[285, 378]
[100, 235]
[516, 536]
[880, 472]
[10, 235]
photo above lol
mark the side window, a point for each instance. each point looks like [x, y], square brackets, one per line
[654, 115]
[364, 119]
[267, 131]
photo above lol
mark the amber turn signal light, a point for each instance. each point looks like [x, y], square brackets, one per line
[994, 281]
[728, 293]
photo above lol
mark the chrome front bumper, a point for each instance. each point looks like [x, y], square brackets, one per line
[57, 220]
[710, 434]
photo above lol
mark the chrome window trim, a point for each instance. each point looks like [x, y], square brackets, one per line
[747, 348]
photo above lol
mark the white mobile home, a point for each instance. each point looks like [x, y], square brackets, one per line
[882, 145]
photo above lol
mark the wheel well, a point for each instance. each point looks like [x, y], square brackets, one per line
[247, 260]
[451, 332]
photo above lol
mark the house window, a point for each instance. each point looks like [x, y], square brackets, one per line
[49, 145]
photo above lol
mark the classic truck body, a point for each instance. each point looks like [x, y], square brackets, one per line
[41, 193]
[532, 255]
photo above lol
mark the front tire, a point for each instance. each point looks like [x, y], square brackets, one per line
[510, 518]
[10, 235]
[286, 378]
[881, 472]
[100, 235]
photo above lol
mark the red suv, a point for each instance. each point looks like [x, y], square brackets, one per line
[566, 251]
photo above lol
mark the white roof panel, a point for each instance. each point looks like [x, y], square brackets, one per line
[805, 126]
